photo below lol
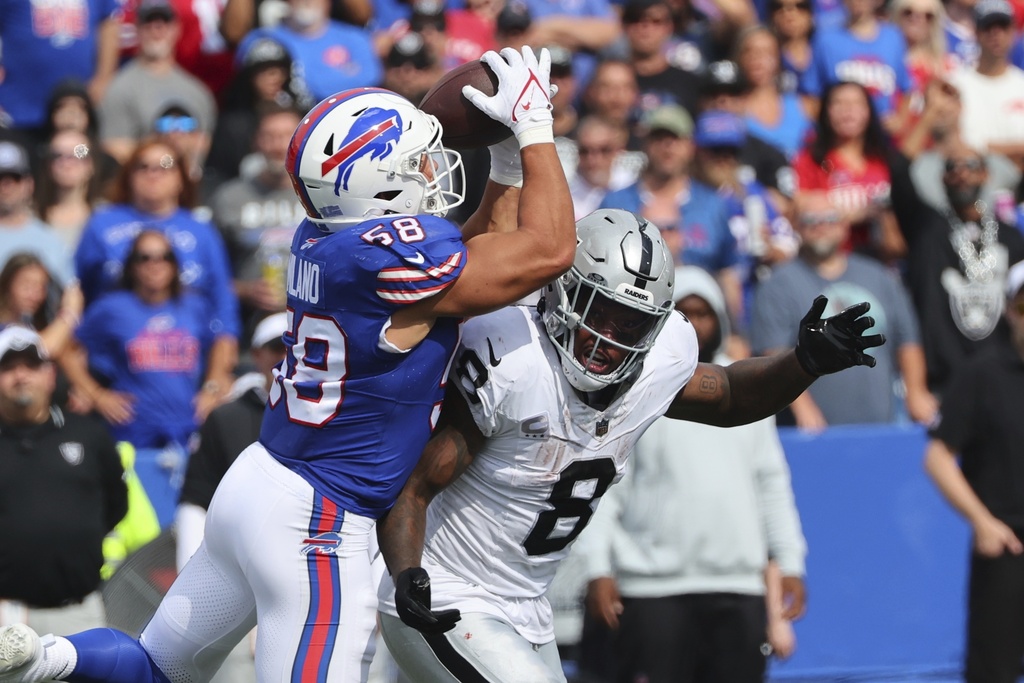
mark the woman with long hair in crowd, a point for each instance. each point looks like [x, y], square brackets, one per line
[69, 187]
[26, 295]
[154, 190]
[921, 23]
[71, 109]
[143, 357]
[775, 116]
[264, 76]
[849, 159]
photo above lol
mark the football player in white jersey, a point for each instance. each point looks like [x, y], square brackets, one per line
[549, 403]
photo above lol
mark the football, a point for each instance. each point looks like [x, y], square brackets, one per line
[463, 125]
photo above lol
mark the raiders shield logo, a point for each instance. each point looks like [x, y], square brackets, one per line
[602, 427]
[72, 452]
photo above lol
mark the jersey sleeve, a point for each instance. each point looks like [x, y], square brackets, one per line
[491, 365]
[678, 343]
[428, 257]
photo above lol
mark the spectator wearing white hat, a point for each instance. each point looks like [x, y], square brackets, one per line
[981, 423]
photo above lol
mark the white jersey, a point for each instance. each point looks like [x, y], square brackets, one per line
[495, 537]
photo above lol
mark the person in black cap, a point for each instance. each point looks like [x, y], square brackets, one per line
[51, 554]
[514, 22]
[411, 67]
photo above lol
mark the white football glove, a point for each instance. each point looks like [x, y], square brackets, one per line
[522, 102]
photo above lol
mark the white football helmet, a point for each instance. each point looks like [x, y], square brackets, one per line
[368, 152]
[619, 290]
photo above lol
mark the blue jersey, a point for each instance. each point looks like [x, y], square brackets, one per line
[704, 224]
[156, 353]
[346, 412]
[43, 44]
[790, 133]
[202, 259]
[877, 64]
[342, 57]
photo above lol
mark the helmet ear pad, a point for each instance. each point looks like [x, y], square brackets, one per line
[621, 258]
[368, 152]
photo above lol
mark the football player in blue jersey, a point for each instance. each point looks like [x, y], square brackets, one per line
[378, 285]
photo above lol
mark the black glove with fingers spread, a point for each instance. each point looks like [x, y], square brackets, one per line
[412, 600]
[832, 344]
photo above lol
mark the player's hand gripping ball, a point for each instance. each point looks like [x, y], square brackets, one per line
[482, 102]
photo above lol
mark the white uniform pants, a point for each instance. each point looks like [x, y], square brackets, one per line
[274, 548]
[480, 649]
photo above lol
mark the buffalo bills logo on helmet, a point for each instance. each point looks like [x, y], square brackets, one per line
[327, 543]
[375, 132]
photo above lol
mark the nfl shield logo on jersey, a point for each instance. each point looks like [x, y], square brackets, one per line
[73, 452]
[602, 427]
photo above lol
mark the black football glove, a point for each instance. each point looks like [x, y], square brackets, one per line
[836, 343]
[412, 599]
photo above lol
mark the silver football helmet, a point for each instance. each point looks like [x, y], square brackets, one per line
[619, 290]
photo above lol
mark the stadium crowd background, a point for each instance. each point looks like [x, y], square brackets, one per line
[713, 118]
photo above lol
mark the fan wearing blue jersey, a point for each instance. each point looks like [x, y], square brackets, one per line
[866, 50]
[378, 285]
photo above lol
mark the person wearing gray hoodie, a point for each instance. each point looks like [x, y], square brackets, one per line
[677, 553]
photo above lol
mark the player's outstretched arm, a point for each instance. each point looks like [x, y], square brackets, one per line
[754, 388]
[401, 532]
[521, 238]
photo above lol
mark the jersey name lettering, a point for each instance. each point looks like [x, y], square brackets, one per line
[304, 279]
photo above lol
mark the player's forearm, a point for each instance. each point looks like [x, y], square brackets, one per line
[546, 215]
[941, 465]
[498, 211]
[759, 387]
[401, 533]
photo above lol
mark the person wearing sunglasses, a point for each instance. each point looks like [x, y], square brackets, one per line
[153, 189]
[956, 264]
[146, 85]
[921, 23]
[981, 427]
[602, 165]
[177, 125]
[823, 267]
[143, 356]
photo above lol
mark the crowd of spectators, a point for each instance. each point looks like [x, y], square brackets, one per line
[865, 149]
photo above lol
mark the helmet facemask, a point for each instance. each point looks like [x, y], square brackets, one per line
[618, 291]
[617, 319]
